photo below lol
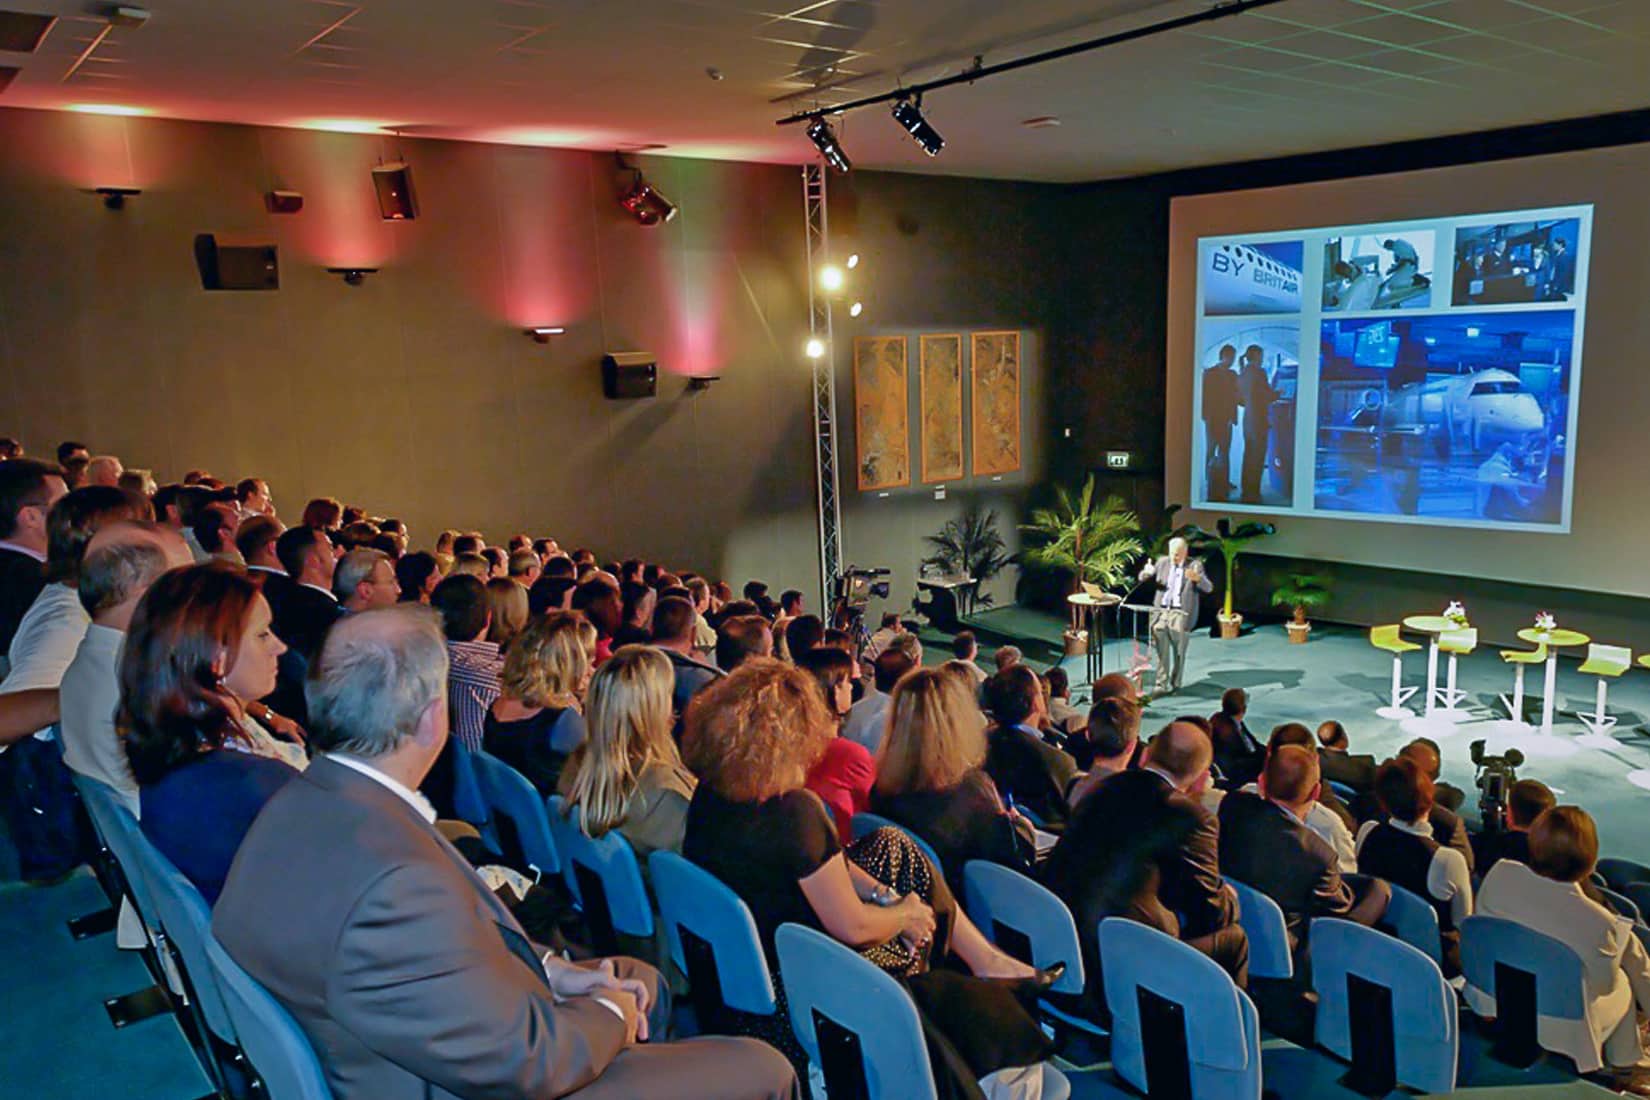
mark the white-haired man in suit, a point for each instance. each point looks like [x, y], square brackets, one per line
[1180, 585]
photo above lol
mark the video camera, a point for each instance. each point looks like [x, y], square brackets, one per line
[856, 586]
[1496, 775]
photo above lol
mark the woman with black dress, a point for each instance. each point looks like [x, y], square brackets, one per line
[751, 738]
[537, 720]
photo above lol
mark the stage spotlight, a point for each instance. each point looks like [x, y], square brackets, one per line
[831, 278]
[815, 348]
[824, 139]
[856, 309]
[646, 204]
[908, 113]
[853, 260]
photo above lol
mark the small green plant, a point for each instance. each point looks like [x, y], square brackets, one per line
[1228, 541]
[1303, 592]
[970, 546]
[1094, 542]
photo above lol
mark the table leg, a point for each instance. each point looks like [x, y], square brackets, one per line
[1548, 692]
[1432, 674]
[1100, 650]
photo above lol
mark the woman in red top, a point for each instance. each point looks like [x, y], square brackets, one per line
[843, 777]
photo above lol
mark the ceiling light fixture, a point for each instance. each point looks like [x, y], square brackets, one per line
[353, 276]
[108, 109]
[824, 139]
[646, 204]
[908, 113]
[815, 347]
[831, 278]
[115, 197]
[541, 334]
[856, 309]
[853, 261]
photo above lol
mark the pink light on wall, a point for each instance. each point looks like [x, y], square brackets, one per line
[340, 225]
[547, 266]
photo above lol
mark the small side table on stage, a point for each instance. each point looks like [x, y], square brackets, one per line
[1091, 611]
[944, 608]
[1432, 626]
[1554, 641]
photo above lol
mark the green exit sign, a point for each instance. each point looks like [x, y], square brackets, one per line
[1119, 460]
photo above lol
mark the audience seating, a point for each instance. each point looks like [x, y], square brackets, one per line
[1607, 662]
[1179, 1022]
[1027, 920]
[1412, 919]
[1639, 894]
[468, 802]
[274, 1043]
[1263, 923]
[1622, 905]
[1618, 874]
[1528, 975]
[1343, 792]
[712, 939]
[865, 823]
[514, 807]
[1387, 638]
[1385, 1007]
[605, 880]
[1520, 659]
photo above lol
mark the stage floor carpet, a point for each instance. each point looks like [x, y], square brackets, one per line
[1339, 675]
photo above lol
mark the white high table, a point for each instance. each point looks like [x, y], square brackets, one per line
[1431, 626]
[1554, 640]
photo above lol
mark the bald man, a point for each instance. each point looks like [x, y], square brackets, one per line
[1141, 846]
[122, 561]
[1265, 843]
[104, 470]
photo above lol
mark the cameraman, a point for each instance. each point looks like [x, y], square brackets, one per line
[1525, 801]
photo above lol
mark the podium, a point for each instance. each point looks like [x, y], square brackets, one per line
[1090, 611]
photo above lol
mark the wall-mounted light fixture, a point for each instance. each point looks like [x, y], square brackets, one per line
[699, 382]
[115, 197]
[353, 276]
[541, 333]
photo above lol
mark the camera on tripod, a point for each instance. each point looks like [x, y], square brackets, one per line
[1496, 775]
[856, 586]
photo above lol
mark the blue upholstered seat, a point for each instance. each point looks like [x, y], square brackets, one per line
[1560, 981]
[999, 899]
[1619, 873]
[1222, 1028]
[1412, 919]
[1262, 920]
[692, 899]
[509, 795]
[1425, 1020]
[274, 1043]
[606, 863]
[863, 824]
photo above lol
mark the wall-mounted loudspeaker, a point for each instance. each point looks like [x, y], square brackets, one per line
[236, 267]
[283, 202]
[396, 200]
[628, 374]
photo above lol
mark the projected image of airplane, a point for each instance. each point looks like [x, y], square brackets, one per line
[1477, 411]
[1242, 278]
[1356, 278]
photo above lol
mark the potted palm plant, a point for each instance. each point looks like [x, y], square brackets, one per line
[1227, 540]
[1091, 541]
[1303, 592]
[970, 546]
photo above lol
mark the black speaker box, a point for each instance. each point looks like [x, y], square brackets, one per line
[236, 267]
[629, 374]
[396, 201]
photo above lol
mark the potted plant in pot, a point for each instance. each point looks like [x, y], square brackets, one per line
[1089, 540]
[1227, 540]
[969, 546]
[1303, 592]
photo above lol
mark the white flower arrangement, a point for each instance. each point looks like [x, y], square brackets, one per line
[1545, 623]
[1456, 613]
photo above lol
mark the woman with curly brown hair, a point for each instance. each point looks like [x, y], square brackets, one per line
[198, 654]
[752, 738]
[538, 720]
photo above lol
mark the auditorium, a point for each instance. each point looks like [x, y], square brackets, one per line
[824, 549]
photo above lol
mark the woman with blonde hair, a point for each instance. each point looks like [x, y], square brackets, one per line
[930, 777]
[536, 722]
[628, 775]
[507, 600]
[752, 738]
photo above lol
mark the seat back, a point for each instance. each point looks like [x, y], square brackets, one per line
[603, 875]
[187, 921]
[1383, 637]
[1525, 657]
[1618, 874]
[509, 795]
[1622, 905]
[1263, 923]
[468, 801]
[1025, 919]
[1560, 984]
[1420, 1016]
[1412, 919]
[274, 1043]
[693, 900]
[1462, 640]
[1639, 894]
[1221, 1029]
[855, 1022]
[865, 823]
[1613, 659]
[118, 829]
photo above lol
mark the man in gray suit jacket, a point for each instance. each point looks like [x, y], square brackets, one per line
[1174, 611]
[410, 978]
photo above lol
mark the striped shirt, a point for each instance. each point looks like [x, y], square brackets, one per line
[472, 685]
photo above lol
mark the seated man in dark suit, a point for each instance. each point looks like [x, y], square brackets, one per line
[1338, 764]
[409, 977]
[28, 489]
[673, 623]
[1140, 846]
[1525, 801]
[1238, 754]
[304, 611]
[1264, 844]
[1032, 773]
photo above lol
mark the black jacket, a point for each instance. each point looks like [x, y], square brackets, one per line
[21, 579]
[1031, 772]
[1263, 847]
[1357, 772]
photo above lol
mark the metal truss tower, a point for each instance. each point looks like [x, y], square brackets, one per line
[824, 384]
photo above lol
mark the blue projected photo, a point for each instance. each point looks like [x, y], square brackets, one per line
[1452, 416]
[1243, 278]
[1516, 262]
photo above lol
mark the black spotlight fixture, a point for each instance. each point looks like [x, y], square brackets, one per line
[908, 113]
[115, 197]
[824, 139]
[645, 203]
[353, 276]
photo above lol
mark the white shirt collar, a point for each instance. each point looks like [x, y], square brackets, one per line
[21, 549]
[272, 569]
[1163, 775]
[1423, 829]
[318, 588]
[411, 797]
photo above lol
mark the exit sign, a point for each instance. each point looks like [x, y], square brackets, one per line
[1119, 460]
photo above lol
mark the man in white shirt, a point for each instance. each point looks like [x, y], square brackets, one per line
[867, 720]
[122, 561]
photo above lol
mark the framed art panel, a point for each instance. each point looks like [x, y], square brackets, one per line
[995, 359]
[940, 405]
[882, 426]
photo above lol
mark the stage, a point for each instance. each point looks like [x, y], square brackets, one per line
[1339, 675]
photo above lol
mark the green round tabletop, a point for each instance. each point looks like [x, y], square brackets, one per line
[1644, 661]
[1560, 638]
[1430, 624]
